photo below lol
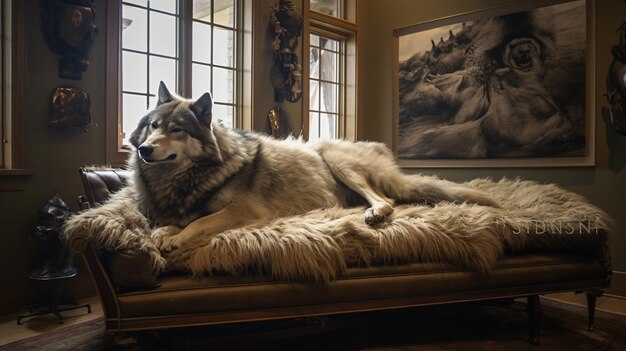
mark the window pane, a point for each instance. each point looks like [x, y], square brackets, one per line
[224, 47]
[134, 28]
[143, 3]
[314, 63]
[329, 44]
[162, 69]
[202, 10]
[314, 126]
[314, 94]
[329, 65]
[164, 5]
[200, 80]
[134, 107]
[152, 102]
[315, 40]
[223, 85]
[328, 126]
[201, 42]
[162, 34]
[134, 72]
[329, 98]
[224, 113]
[329, 7]
[224, 13]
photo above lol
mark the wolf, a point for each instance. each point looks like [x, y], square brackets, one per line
[194, 176]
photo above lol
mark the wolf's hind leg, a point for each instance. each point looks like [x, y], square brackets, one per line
[381, 206]
[418, 188]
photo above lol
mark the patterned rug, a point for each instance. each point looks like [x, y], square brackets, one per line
[493, 326]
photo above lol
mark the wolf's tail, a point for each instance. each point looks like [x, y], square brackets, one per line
[407, 188]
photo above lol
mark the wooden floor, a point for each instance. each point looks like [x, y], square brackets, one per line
[10, 331]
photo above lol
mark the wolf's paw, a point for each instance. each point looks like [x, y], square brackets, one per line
[170, 244]
[160, 234]
[377, 213]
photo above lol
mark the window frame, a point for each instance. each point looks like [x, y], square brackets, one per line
[13, 170]
[346, 31]
[114, 153]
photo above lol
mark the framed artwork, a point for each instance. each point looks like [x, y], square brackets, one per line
[511, 86]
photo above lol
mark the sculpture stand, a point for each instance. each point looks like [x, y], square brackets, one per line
[54, 289]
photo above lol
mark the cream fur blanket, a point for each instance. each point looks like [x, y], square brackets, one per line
[320, 245]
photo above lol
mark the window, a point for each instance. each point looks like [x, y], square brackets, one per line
[12, 82]
[190, 45]
[324, 87]
[332, 106]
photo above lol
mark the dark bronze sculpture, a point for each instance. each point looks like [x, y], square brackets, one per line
[69, 28]
[286, 74]
[56, 259]
[70, 107]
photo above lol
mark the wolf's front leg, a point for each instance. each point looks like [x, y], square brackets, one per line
[159, 234]
[211, 224]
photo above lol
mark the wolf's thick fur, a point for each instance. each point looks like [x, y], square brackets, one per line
[195, 177]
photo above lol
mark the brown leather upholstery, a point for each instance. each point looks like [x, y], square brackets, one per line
[99, 183]
[184, 301]
[183, 295]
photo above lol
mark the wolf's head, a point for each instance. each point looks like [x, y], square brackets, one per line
[176, 130]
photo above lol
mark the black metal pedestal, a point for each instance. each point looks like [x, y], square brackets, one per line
[54, 288]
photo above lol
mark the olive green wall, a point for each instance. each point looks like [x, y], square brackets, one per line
[54, 155]
[604, 184]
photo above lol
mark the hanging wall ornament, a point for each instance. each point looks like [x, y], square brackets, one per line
[69, 28]
[70, 107]
[286, 73]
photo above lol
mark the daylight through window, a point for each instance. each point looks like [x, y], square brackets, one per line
[154, 37]
[324, 84]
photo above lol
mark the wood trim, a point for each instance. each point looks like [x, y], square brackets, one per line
[114, 155]
[246, 62]
[618, 285]
[306, 83]
[185, 26]
[335, 24]
[201, 319]
[15, 177]
[360, 72]
[18, 81]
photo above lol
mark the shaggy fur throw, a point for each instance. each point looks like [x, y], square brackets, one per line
[320, 245]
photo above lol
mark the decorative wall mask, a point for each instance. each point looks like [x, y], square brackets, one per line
[286, 74]
[70, 107]
[69, 28]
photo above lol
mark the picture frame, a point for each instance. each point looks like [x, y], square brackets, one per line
[509, 86]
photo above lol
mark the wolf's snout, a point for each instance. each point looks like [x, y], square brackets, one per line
[145, 150]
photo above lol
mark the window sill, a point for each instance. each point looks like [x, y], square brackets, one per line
[14, 179]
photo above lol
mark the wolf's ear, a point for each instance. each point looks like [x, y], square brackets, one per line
[164, 94]
[202, 108]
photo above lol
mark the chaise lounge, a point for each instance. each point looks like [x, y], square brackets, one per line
[133, 301]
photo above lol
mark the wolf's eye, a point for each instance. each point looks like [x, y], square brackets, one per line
[176, 130]
[154, 125]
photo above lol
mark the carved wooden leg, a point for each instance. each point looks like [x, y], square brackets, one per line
[591, 307]
[533, 310]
